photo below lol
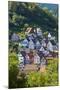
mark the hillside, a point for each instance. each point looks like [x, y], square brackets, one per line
[23, 15]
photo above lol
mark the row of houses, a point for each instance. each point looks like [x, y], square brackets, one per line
[36, 40]
[34, 47]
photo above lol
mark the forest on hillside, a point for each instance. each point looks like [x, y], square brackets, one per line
[23, 15]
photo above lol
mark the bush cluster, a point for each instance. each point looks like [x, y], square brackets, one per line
[32, 79]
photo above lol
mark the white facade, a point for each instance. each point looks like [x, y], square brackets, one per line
[31, 44]
[39, 32]
[49, 46]
[36, 59]
[20, 58]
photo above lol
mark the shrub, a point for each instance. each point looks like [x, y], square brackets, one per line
[13, 70]
[32, 79]
[14, 73]
[48, 78]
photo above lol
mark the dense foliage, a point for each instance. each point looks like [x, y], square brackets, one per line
[48, 78]
[33, 79]
[13, 70]
[23, 15]
[14, 81]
